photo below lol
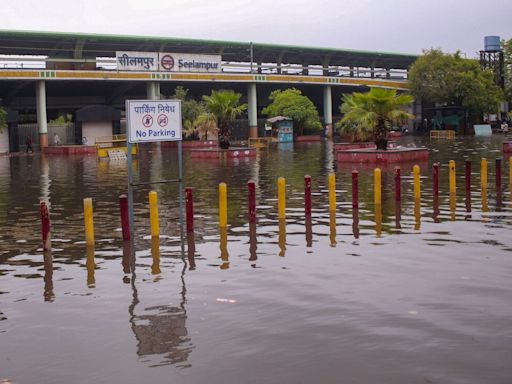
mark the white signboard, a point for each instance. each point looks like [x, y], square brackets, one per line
[137, 61]
[153, 120]
[182, 62]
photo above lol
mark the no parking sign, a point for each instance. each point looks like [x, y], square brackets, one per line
[153, 120]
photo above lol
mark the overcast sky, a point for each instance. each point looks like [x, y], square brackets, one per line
[405, 26]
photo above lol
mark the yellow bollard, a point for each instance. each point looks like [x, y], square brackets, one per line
[223, 205]
[281, 198]
[483, 174]
[416, 172]
[332, 192]
[153, 214]
[453, 186]
[89, 223]
[377, 193]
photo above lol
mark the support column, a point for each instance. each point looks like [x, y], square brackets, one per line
[252, 110]
[153, 90]
[42, 122]
[328, 111]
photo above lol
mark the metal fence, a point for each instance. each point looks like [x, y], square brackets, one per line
[65, 132]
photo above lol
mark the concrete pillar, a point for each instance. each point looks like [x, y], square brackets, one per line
[328, 111]
[42, 122]
[153, 90]
[252, 110]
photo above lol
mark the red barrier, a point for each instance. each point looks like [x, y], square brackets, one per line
[251, 186]
[189, 209]
[398, 188]
[355, 189]
[435, 179]
[125, 220]
[45, 226]
[467, 175]
[307, 195]
[498, 176]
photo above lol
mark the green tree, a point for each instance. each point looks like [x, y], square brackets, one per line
[225, 106]
[3, 119]
[190, 110]
[291, 103]
[448, 79]
[507, 55]
[377, 110]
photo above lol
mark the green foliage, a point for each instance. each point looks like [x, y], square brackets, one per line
[225, 107]
[291, 103]
[507, 55]
[375, 111]
[3, 119]
[441, 78]
[62, 119]
[190, 110]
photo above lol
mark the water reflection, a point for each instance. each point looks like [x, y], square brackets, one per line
[355, 222]
[161, 330]
[378, 219]
[253, 243]
[191, 251]
[417, 214]
[48, 277]
[91, 266]
[155, 254]
[435, 209]
[282, 237]
[309, 231]
[332, 228]
[224, 255]
[452, 206]
[398, 215]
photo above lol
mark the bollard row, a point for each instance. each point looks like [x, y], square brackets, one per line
[281, 199]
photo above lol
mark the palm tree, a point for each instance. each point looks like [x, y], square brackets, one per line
[224, 105]
[204, 124]
[377, 110]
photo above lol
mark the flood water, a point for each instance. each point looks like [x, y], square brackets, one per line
[421, 296]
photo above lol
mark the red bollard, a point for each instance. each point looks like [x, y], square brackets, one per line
[435, 179]
[45, 226]
[355, 189]
[251, 186]
[467, 175]
[189, 209]
[398, 190]
[498, 176]
[307, 195]
[125, 220]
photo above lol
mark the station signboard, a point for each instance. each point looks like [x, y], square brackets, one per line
[167, 62]
[181, 62]
[137, 61]
[153, 120]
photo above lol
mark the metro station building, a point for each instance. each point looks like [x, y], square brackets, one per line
[44, 75]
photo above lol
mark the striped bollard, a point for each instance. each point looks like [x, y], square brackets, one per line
[377, 191]
[45, 226]
[332, 192]
[355, 189]
[251, 201]
[153, 214]
[453, 185]
[307, 195]
[89, 222]
[435, 179]
[125, 220]
[281, 198]
[223, 205]
[189, 209]
[398, 187]
[498, 176]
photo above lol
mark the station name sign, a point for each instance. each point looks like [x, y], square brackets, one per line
[153, 120]
[167, 62]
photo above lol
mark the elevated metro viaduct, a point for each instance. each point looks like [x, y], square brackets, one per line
[54, 73]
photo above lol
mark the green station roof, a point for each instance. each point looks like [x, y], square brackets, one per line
[82, 45]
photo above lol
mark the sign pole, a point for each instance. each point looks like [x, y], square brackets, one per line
[130, 181]
[180, 177]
